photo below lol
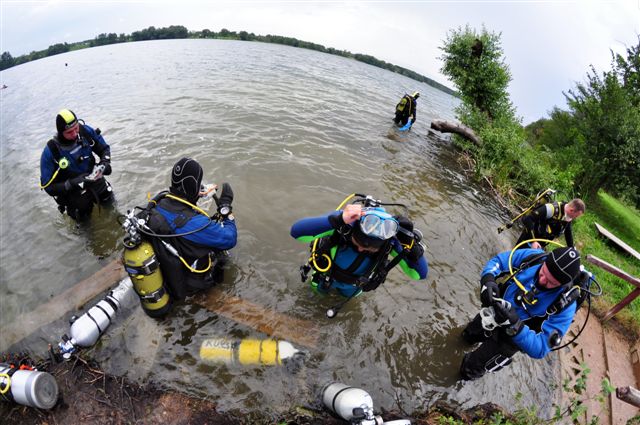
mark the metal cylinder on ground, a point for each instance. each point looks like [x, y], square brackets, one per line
[86, 329]
[28, 387]
[354, 405]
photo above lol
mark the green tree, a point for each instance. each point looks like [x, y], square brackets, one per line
[6, 61]
[474, 62]
[606, 109]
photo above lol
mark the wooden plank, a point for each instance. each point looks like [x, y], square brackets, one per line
[70, 300]
[297, 331]
[604, 232]
[613, 270]
[622, 304]
[302, 332]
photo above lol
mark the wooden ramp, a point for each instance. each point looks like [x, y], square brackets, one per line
[270, 322]
[604, 232]
[69, 301]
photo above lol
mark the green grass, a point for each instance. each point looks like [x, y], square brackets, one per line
[624, 222]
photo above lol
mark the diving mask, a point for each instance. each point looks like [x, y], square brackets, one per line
[378, 223]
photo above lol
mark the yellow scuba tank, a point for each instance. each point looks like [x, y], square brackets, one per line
[266, 352]
[143, 267]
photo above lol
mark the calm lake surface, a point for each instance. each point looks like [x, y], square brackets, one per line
[294, 131]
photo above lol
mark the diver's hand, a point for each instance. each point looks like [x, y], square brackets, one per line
[75, 182]
[351, 213]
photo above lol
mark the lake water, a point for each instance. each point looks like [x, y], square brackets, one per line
[294, 131]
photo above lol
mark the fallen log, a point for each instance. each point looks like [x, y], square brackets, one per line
[451, 127]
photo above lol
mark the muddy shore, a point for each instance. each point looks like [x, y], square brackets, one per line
[90, 396]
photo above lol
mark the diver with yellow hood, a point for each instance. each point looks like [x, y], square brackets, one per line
[68, 168]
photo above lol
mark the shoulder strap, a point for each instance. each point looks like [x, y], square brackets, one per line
[55, 151]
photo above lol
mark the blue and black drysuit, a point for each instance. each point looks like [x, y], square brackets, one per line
[540, 328]
[69, 190]
[172, 217]
[349, 265]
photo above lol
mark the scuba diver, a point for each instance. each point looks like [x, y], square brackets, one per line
[68, 169]
[175, 235]
[549, 221]
[351, 247]
[406, 109]
[531, 311]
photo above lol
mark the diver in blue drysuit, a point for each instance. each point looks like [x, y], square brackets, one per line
[67, 164]
[205, 241]
[360, 253]
[534, 322]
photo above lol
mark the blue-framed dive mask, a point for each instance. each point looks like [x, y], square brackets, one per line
[377, 223]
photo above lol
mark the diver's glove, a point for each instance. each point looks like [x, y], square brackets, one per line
[373, 283]
[488, 290]
[505, 315]
[224, 200]
[106, 161]
[75, 182]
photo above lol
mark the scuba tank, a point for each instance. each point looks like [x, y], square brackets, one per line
[544, 197]
[248, 351]
[143, 267]
[28, 387]
[86, 329]
[353, 405]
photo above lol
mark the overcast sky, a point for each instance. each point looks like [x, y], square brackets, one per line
[548, 45]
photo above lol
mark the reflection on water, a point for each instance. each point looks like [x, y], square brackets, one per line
[293, 131]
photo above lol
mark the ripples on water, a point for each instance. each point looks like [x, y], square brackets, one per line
[294, 131]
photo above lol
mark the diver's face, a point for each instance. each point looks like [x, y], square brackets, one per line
[71, 133]
[546, 279]
[361, 248]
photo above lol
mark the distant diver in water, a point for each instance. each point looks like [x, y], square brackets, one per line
[406, 109]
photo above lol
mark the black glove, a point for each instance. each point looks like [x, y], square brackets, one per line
[75, 182]
[373, 283]
[106, 161]
[225, 199]
[415, 253]
[507, 317]
[405, 231]
[488, 289]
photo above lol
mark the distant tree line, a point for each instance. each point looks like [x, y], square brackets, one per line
[178, 31]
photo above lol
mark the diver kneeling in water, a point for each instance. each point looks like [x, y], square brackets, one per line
[531, 311]
[351, 248]
[189, 245]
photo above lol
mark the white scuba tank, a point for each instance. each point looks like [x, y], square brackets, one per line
[28, 387]
[86, 329]
[354, 405]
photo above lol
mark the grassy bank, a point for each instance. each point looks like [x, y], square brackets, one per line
[624, 222]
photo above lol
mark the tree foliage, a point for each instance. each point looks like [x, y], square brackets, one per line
[474, 62]
[598, 138]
